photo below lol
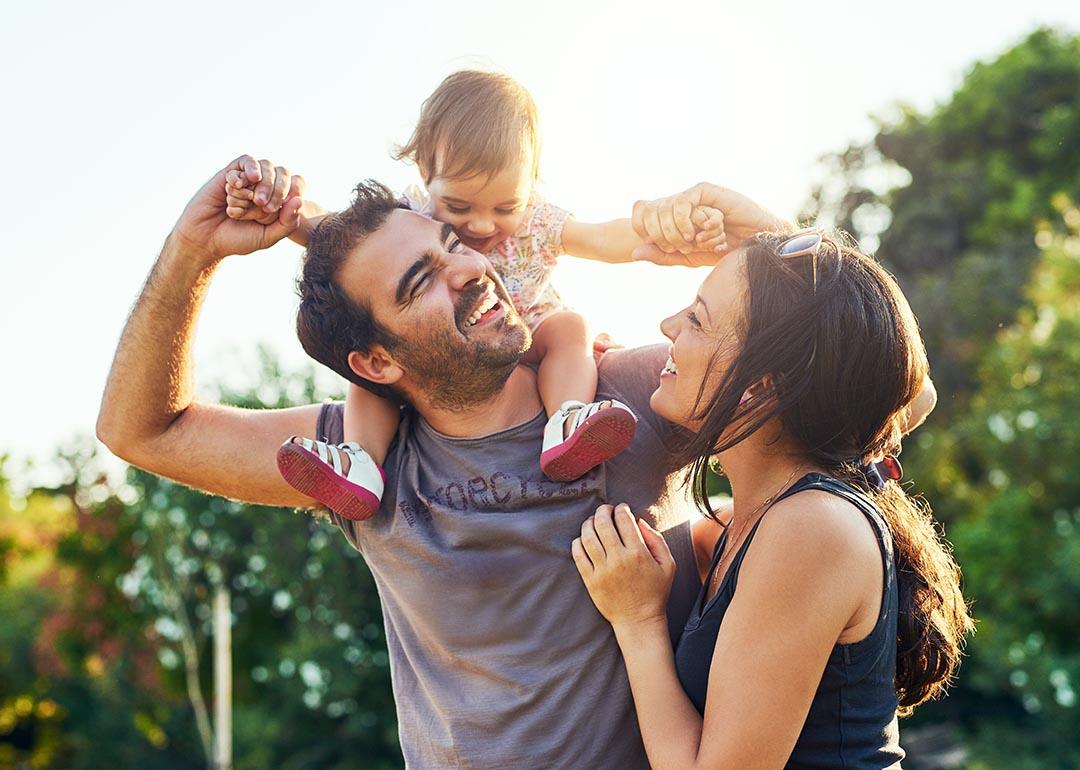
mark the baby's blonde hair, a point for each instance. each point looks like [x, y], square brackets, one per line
[475, 123]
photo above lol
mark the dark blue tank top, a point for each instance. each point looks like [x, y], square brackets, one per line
[852, 719]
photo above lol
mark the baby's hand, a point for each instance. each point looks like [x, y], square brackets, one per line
[709, 234]
[255, 192]
[240, 196]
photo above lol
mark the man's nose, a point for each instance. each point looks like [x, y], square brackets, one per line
[467, 266]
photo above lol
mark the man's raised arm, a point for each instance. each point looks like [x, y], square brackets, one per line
[148, 413]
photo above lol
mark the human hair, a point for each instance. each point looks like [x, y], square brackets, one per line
[329, 322]
[475, 123]
[838, 365]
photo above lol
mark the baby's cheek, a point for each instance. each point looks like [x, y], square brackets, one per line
[513, 224]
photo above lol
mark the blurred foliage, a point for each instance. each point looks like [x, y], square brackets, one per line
[108, 591]
[1003, 474]
[954, 197]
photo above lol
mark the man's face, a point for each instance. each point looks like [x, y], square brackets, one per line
[460, 336]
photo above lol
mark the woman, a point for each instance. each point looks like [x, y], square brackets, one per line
[830, 603]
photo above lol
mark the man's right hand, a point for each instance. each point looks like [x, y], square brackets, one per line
[206, 232]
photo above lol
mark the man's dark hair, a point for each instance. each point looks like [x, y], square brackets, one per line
[329, 322]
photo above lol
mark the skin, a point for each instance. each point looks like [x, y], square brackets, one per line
[788, 609]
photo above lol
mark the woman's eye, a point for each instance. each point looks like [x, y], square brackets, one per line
[692, 318]
[457, 209]
[505, 212]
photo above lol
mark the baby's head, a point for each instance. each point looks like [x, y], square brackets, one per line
[477, 146]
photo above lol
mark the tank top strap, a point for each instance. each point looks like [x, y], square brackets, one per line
[817, 481]
[860, 500]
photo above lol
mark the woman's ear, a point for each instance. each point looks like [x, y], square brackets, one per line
[376, 365]
[762, 387]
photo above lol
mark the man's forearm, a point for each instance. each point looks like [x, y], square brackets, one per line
[148, 413]
[151, 381]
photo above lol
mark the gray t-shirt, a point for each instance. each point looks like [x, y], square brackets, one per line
[497, 655]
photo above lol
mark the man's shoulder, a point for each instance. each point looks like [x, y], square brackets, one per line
[631, 375]
[632, 369]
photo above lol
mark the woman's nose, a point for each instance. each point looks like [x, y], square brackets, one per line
[669, 327]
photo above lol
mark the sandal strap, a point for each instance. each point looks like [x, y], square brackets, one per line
[363, 470]
[577, 412]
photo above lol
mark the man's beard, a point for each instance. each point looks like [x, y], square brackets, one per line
[455, 372]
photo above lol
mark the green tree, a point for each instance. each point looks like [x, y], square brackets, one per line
[1004, 475]
[951, 198]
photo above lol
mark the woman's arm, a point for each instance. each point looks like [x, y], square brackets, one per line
[778, 632]
[667, 223]
[921, 407]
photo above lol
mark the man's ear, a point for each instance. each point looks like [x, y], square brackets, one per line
[376, 365]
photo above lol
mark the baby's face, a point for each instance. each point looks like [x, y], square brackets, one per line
[485, 210]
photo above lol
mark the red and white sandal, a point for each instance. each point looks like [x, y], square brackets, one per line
[597, 432]
[315, 469]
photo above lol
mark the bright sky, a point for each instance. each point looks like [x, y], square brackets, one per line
[117, 112]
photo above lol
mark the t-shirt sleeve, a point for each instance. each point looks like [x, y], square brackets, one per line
[331, 423]
[545, 229]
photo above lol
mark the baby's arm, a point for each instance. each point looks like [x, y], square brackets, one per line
[244, 200]
[616, 241]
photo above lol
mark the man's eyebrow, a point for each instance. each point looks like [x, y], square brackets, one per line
[414, 269]
[708, 315]
[418, 266]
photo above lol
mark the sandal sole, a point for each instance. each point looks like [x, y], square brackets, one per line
[307, 474]
[598, 439]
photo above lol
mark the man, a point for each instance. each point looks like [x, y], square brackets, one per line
[498, 657]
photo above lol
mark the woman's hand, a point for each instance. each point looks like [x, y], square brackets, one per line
[674, 224]
[626, 565]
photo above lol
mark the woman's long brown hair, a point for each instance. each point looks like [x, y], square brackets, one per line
[839, 364]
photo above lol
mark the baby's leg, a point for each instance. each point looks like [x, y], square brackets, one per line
[563, 349]
[347, 478]
[587, 433]
[371, 421]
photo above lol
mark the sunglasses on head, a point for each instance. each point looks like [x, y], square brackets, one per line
[805, 243]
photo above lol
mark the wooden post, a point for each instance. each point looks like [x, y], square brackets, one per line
[222, 679]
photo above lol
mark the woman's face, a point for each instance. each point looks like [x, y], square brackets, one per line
[707, 328]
